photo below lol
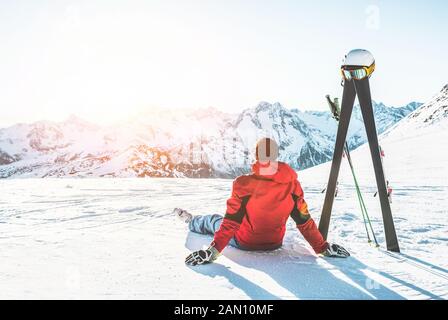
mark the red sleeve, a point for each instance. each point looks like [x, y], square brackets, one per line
[224, 234]
[236, 210]
[306, 224]
[302, 206]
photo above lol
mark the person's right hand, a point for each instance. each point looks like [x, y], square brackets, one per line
[202, 256]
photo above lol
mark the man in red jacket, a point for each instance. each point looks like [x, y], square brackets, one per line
[258, 210]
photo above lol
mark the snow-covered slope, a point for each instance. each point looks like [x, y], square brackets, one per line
[117, 238]
[176, 143]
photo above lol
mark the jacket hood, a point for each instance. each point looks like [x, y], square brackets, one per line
[274, 170]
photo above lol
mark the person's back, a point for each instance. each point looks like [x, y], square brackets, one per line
[271, 199]
[257, 211]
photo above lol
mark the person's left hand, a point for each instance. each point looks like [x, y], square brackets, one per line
[336, 251]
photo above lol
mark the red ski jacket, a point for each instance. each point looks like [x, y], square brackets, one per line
[259, 207]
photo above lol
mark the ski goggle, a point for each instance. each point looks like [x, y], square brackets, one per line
[358, 74]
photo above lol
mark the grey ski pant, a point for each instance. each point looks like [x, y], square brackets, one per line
[208, 225]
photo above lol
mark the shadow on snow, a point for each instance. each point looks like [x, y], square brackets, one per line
[296, 271]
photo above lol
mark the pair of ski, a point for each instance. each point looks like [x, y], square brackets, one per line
[336, 112]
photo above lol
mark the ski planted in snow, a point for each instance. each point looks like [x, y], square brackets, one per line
[336, 112]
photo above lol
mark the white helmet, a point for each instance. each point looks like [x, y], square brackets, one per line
[358, 58]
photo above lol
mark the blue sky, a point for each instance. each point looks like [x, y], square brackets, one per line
[104, 60]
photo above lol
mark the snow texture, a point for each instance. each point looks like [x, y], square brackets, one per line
[117, 238]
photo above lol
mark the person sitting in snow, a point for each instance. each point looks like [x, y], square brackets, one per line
[258, 210]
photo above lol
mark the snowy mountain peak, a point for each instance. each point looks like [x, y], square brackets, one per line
[178, 142]
[445, 89]
[432, 112]
[264, 106]
[79, 122]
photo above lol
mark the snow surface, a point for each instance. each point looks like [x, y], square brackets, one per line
[116, 238]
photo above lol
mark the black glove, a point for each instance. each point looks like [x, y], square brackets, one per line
[336, 251]
[202, 256]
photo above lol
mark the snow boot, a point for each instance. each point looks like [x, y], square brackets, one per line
[183, 215]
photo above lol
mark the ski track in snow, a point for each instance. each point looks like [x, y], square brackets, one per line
[117, 238]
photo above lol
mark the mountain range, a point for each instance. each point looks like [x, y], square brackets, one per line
[179, 142]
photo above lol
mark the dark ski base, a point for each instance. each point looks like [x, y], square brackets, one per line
[362, 89]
